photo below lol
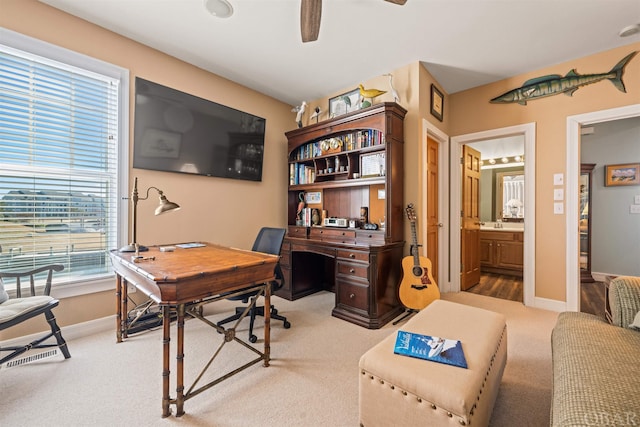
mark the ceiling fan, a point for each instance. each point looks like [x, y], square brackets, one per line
[310, 13]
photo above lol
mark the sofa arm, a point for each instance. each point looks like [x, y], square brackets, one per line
[624, 299]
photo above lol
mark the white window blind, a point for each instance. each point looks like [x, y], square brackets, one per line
[58, 165]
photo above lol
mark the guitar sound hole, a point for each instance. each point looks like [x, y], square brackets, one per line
[417, 271]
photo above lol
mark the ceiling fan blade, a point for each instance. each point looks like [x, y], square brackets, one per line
[310, 13]
[400, 2]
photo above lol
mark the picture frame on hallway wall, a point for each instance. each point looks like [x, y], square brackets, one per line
[622, 174]
[437, 103]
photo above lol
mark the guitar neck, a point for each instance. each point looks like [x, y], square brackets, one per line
[414, 239]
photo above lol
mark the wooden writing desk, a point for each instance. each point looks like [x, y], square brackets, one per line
[183, 281]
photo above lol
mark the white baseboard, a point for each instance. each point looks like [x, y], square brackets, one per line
[71, 332]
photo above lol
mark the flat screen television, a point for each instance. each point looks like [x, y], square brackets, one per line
[178, 132]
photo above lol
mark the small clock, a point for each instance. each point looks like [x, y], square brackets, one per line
[331, 145]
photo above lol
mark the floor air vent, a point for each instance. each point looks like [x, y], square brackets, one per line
[29, 359]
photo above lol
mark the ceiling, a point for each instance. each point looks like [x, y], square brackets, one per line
[463, 43]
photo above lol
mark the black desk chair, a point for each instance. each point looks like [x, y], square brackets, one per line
[16, 310]
[269, 241]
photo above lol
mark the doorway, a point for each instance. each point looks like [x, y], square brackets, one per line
[574, 124]
[527, 132]
[434, 212]
[500, 218]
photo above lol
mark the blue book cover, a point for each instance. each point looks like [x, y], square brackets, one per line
[432, 348]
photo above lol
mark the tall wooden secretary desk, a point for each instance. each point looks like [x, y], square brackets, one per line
[345, 213]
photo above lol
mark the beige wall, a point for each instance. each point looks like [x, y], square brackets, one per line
[219, 210]
[230, 212]
[472, 112]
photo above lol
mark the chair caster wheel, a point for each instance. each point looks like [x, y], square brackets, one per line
[253, 338]
[287, 325]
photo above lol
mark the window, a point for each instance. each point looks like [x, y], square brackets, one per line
[61, 132]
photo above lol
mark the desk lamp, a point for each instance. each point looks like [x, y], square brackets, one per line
[165, 206]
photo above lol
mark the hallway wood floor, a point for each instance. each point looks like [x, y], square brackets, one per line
[510, 288]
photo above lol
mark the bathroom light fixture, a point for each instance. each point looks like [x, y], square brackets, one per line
[629, 30]
[492, 161]
[219, 8]
[505, 160]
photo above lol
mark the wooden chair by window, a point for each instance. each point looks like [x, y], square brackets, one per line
[269, 241]
[16, 310]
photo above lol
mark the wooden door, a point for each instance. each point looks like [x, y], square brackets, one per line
[470, 219]
[432, 206]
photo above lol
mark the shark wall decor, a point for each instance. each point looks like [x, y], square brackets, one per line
[555, 84]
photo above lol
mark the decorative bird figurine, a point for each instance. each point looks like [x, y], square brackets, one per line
[369, 93]
[300, 109]
[394, 92]
[316, 114]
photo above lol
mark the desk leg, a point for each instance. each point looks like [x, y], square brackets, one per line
[124, 311]
[180, 362]
[118, 308]
[166, 339]
[267, 324]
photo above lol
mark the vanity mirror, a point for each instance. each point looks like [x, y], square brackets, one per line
[510, 196]
[502, 195]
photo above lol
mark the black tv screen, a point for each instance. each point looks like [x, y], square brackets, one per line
[178, 132]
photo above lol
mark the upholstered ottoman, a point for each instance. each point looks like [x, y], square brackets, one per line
[398, 390]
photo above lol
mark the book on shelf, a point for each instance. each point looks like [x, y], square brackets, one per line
[350, 141]
[436, 349]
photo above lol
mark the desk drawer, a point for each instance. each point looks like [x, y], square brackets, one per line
[297, 231]
[353, 269]
[353, 255]
[333, 235]
[353, 295]
[369, 237]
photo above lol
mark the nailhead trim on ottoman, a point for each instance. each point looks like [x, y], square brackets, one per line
[404, 391]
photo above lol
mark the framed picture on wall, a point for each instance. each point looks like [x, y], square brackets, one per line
[622, 174]
[437, 103]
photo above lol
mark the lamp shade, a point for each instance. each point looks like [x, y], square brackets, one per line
[166, 205]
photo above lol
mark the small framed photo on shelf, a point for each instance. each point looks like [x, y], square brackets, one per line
[313, 197]
[437, 103]
[372, 165]
[343, 104]
[623, 174]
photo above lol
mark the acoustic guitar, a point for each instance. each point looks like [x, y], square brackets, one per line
[418, 289]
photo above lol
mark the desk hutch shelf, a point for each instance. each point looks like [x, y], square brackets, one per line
[345, 164]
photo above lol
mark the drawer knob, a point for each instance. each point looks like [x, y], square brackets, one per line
[352, 255]
[352, 296]
[351, 270]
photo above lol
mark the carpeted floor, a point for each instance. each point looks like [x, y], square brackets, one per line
[312, 380]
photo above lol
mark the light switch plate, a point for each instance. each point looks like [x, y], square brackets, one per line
[637, 199]
[558, 179]
[634, 209]
[558, 208]
[558, 194]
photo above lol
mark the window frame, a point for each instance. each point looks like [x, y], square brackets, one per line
[56, 53]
